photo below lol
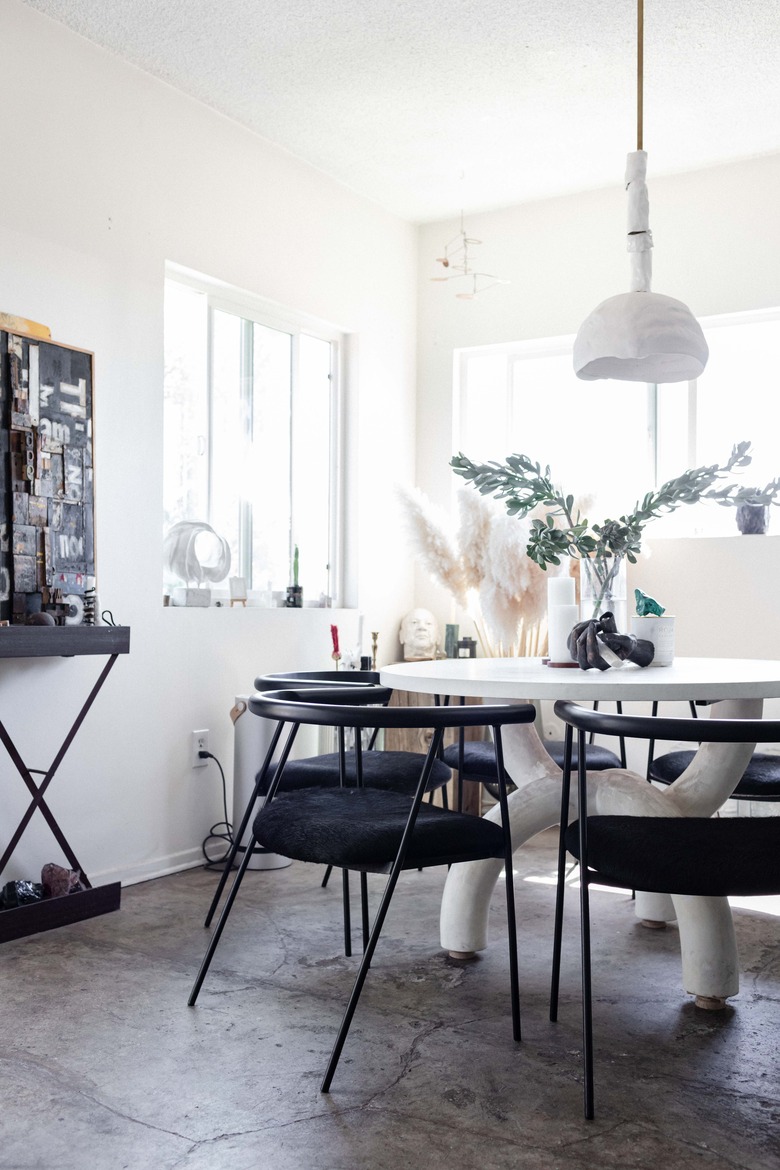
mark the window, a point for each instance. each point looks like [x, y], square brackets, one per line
[252, 427]
[525, 398]
[735, 398]
[610, 442]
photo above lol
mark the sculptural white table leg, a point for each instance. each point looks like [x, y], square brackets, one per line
[709, 956]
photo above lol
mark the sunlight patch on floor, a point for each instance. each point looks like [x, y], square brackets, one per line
[767, 904]
[573, 883]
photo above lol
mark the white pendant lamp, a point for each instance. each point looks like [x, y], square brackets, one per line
[640, 336]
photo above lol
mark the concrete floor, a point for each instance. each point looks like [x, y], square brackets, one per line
[104, 1066]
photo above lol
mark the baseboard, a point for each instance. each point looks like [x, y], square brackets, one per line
[155, 867]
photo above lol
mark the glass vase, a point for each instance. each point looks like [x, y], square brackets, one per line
[603, 589]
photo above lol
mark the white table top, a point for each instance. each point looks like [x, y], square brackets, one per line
[527, 678]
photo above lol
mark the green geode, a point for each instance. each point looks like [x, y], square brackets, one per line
[647, 606]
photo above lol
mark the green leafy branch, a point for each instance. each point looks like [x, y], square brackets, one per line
[565, 532]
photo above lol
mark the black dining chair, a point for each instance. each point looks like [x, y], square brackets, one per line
[397, 771]
[760, 780]
[474, 761]
[700, 856]
[377, 831]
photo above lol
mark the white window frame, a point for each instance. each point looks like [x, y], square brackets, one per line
[557, 346]
[221, 296]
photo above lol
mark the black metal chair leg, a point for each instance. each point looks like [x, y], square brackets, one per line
[511, 918]
[514, 974]
[461, 752]
[326, 876]
[364, 908]
[365, 963]
[587, 1002]
[560, 892]
[231, 856]
[209, 955]
[347, 917]
[621, 739]
[381, 913]
[587, 1008]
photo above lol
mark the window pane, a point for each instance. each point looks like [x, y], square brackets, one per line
[674, 443]
[311, 464]
[485, 404]
[267, 476]
[737, 399]
[594, 436]
[228, 429]
[185, 443]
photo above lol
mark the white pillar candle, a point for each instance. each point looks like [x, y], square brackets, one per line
[561, 620]
[560, 591]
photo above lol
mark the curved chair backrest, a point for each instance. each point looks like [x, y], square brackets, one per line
[338, 707]
[675, 729]
[316, 678]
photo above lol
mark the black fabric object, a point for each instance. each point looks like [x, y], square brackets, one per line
[597, 758]
[760, 780]
[479, 759]
[389, 771]
[356, 827]
[712, 857]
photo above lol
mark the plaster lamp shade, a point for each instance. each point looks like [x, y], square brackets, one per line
[640, 336]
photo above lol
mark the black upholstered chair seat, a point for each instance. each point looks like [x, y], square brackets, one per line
[361, 828]
[479, 759]
[683, 855]
[390, 771]
[760, 780]
[597, 758]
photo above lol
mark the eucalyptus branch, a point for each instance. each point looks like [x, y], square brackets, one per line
[523, 485]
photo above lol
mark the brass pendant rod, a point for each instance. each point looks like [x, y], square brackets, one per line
[640, 36]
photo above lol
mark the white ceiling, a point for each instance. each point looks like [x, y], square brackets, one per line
[427, 107]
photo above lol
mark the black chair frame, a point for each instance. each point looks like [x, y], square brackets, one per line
[743, 791]
[298, 679]
[315, 678]
[348, 708]
[585, 721]
[464, 777]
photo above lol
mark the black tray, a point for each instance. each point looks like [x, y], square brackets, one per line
[53, 912]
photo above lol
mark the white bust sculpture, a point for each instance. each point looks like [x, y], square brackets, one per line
[419, 634]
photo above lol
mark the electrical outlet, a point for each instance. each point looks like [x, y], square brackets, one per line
[199, 742]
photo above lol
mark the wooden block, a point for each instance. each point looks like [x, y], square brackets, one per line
[13, 324]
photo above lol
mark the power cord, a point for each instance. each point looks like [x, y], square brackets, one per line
[214, 833]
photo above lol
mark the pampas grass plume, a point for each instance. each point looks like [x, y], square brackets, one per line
[427, 530]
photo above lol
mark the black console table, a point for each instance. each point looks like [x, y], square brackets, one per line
[52, 642]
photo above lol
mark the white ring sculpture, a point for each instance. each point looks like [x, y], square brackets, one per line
[181, 556]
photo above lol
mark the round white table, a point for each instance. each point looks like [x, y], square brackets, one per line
[710, 965]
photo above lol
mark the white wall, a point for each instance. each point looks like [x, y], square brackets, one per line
[717, 238]
[107, 175]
